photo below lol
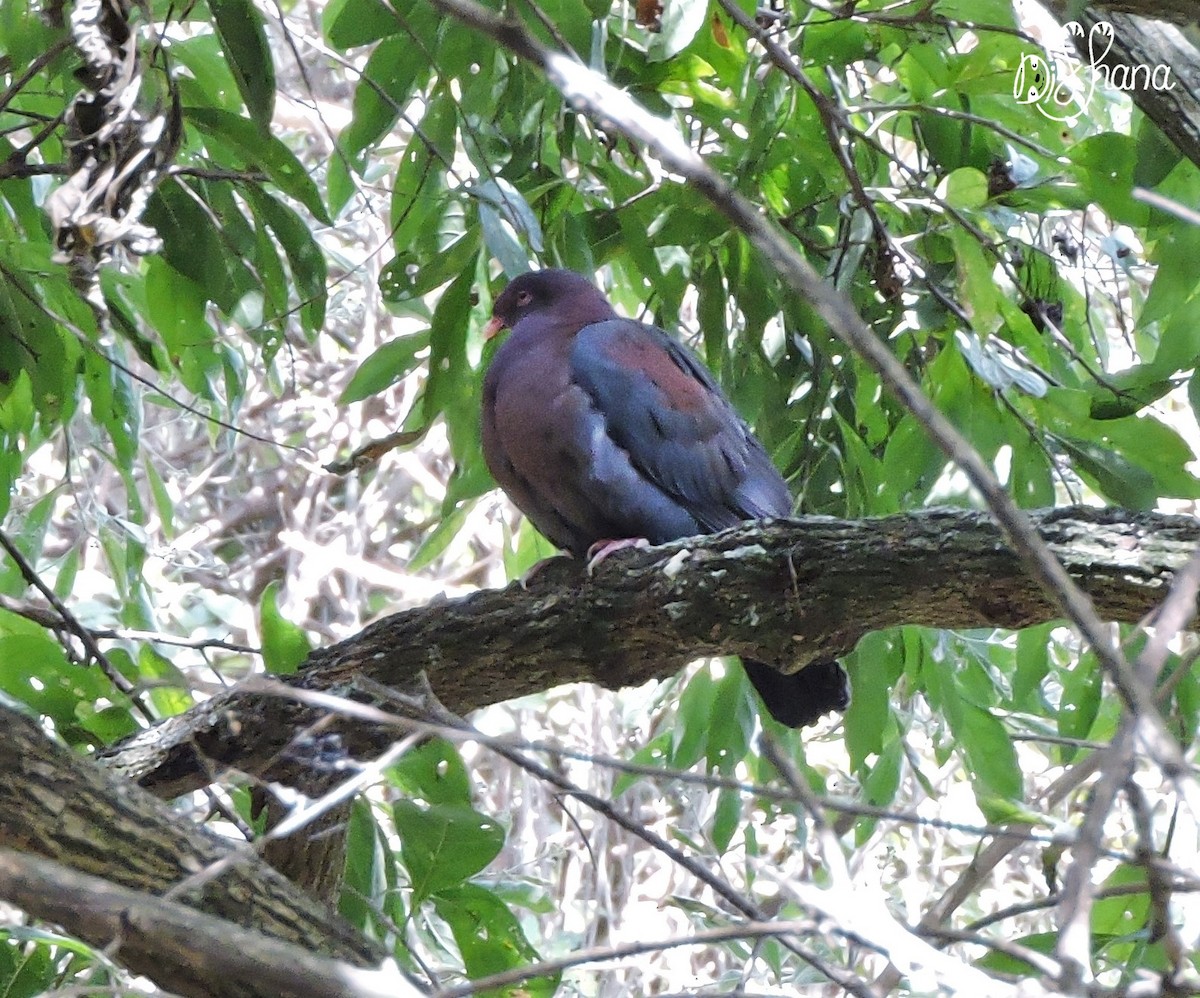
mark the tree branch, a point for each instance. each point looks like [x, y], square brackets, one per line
[61, 807]
[1147, 40]
[188, 952]
[788, 592]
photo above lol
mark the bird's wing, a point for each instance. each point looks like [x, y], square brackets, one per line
[661, 406]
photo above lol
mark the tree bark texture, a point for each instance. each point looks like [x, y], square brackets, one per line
[180, 948]
[62, 807]
[1142, 37]
[788, 592]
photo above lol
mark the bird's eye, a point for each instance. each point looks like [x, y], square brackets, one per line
[524, 297]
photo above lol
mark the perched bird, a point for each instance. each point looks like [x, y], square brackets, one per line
[601, 429]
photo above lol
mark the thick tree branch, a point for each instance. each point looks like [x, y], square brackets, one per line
[1179, 11]
[788, 592]
[1147, 41]
[61, 807]
[178, 947]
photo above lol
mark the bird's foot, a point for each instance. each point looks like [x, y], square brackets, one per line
[602, 549]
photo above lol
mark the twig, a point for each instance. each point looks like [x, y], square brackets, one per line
[598, 954]
[53, 620]
[1046, 966]
[72, 623]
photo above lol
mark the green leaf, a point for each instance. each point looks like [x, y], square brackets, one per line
[305, 257]
[1114, 475]
[1179, 343]
[880, 786]
[37, 673]
[168, 686]
[1133, 460]
[965, 188]
[1003, 963]
[874, 666]
[726, 819]
[370, 873]
[1033, 665]
[198, 250]
[503, 215]
[31, 971]
[1155, 157]
[1079, 703]
[1128, 392]
[410, 275]
[999, 811]
[349, 23]
[418, 190]
[285, 645]
[244, 38]
[1123, 914]
[260, 152]
[453, 388]
[989, 752]
[438, 539]
[1108, 161]
[433, 772]
[388, 364]
[911, 462]
[715, 719]
[975, 281]
[113, 405]
[444, 844]
[689, 736]
[490, 940]
[530, 548]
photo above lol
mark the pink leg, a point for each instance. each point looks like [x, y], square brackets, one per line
[602, 549]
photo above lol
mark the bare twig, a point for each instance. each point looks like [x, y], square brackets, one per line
[71, 623]
[53, 620]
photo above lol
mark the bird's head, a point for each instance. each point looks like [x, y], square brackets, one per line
[569, 298]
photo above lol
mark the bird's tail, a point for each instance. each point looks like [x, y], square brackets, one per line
[801, 698]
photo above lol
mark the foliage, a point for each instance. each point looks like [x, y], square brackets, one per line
[1000, 252]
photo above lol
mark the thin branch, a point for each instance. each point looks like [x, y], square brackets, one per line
[1177, 886]
[605, 954]
[52, 620]
[1044, 965]
[71, 622]
[1074, 945]
[1160, 926]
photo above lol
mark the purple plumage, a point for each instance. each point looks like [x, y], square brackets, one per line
[601, 428]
